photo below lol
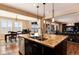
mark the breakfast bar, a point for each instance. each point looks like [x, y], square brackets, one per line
[55, 44]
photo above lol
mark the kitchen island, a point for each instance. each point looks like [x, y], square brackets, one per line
[55, 45]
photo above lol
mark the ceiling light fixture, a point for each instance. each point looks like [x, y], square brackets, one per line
[37, 12]
[53, 19]
[44, 21]
[16, 18]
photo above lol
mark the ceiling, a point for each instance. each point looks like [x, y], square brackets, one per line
[59, 8]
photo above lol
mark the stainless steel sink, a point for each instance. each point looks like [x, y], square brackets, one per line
[43, 39]
[38, 38]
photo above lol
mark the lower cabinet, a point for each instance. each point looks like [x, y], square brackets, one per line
[33, 48]
[36, 49]
[60, 49]
[74, 38]
[22, 46]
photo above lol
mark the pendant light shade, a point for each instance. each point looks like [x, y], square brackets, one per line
[53, 20]
[16, 17]
[44, 21]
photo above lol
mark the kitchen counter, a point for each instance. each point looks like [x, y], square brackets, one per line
[52, 41]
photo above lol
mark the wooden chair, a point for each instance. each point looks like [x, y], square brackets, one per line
[13, 36]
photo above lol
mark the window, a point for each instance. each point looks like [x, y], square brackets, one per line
[3, 26]
[34, 27]
[18, 26]
[9, 25]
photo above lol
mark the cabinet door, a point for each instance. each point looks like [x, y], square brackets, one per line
[36, 49]
[22, 46]
[28, 47]
[77, 39]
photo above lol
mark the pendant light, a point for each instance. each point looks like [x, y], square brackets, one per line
[37, 12]
[16, 17]
[42, 28]
[44, 12]
[53, 19]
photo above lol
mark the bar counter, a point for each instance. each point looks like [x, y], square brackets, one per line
[52, 41]
[54, 45]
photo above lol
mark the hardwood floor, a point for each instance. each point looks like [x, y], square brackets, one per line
[72, 48]
[9, 48]
[13, 48]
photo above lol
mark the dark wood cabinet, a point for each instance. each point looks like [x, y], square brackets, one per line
[72, 32]
[34, 48]
[63, 27]
[60, 49]
[29, 48]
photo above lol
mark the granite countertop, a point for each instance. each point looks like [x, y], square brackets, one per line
[52, 41]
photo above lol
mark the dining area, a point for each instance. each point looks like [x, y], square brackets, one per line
[9, 47]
